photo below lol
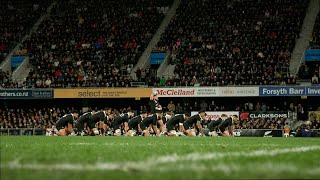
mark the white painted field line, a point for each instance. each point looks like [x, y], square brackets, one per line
[151, 163]
[218, 155]
[229, 168]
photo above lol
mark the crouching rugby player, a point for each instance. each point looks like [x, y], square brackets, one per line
[119, 120]
[151, 120]
[102, 118]
[213, 125]
[134, 124]
[227, 126]
[65, 124]
[87, 119]
[193, 122]
[177, 119]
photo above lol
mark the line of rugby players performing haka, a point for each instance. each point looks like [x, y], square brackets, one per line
[155, 123]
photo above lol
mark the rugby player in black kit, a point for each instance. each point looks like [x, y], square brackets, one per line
[227, 126]
[194, 122]
[134, 124]
[162, 124]
[213, 125]
[87, 119]
[153, 119]
[154, 103]
[65, 123]
[176, 119]
[102, 117]
[119, 120]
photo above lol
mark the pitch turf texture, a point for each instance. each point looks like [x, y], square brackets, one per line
[158, 158]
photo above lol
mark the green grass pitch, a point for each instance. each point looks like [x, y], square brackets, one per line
[158, 158]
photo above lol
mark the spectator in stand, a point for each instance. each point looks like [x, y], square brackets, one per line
[304, 71]
[264, 107]
[203, 106]
[138, 74]
[315, 79]
[258, 107]
[163, 81]
[179, 109]
[171, 107]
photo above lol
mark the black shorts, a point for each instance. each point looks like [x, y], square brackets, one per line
[187, 126]
[80, 126]
[116, 126]
[59, 127]
[133, 127]
[143, 126]
[170, 127]
[91, 124]
[211, 128]
[222, 128]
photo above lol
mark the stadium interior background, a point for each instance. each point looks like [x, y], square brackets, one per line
[57, 49]
[258, 59]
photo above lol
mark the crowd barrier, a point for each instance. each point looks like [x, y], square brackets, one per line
[22, 132]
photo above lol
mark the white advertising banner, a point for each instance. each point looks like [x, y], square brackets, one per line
[187, 92]
[213, 115]
[238, 91]
[207, 92]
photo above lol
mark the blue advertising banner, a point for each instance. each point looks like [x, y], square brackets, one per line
[312, 55]
[15, 94]
[26, 94]
[313, 91]
[46, 94]
[289, 91]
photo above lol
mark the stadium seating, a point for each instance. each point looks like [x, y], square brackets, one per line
[315, 43]
[4, 78]
[16, 19]
[218, 43]
[311, 70]
[92, 43]
[213, 43]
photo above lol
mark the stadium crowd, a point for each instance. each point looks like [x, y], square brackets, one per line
[16, 19]
[315, 43]
[92, 43]
[82, 44]
[233, 42]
